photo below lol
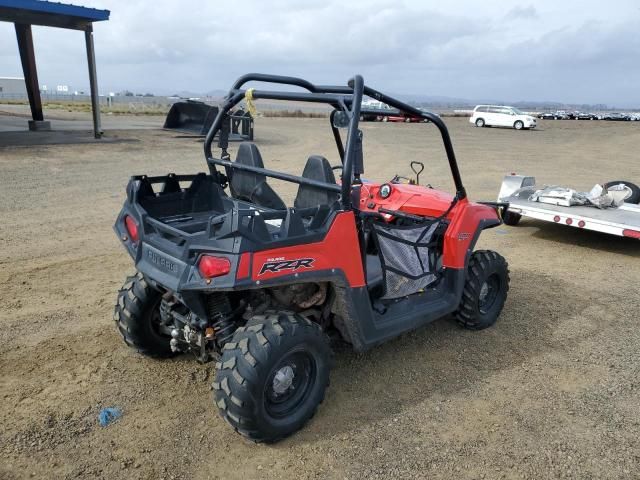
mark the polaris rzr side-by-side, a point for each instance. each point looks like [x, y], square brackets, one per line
[226, 270]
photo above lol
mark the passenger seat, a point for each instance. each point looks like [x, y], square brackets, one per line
[253, 187]
[317, 168]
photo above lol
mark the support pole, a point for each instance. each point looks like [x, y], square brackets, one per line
[28, 59]
[93, 82]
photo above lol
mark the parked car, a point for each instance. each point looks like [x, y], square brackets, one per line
[371, 111]
[619, 117]
[501, 116]
[561, 115]
[402, 118]
[547, 116]
[586, 116]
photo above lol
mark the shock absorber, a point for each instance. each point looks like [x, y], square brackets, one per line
[221, 317]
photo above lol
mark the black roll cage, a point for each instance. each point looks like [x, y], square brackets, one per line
[343, 98]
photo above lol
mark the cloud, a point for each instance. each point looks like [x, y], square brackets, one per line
[573, 50]
[525, 13]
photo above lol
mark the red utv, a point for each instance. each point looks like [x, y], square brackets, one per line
[227, 271]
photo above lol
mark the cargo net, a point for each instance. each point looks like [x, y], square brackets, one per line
[408, 262]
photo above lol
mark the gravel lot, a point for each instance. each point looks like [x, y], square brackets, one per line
[550, 392]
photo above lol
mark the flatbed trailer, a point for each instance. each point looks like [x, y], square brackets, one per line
[623, 221]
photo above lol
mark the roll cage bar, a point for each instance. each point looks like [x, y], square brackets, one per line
[347, 99]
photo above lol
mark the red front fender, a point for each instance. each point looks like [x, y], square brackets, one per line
[467, 221]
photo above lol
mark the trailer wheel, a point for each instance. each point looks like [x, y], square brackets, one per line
[137, 315]
[511, 218]
[272, 376]
[485, 290]
[635, 190]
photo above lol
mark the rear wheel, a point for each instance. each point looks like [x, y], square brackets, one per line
[137, 315]
[485, 290]
[272, 376]
[634, 197]
[480, 122]
[518, 125]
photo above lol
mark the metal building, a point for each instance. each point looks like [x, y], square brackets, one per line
[12, 86]
[23, 14]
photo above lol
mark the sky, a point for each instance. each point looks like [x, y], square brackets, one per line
[568, 51]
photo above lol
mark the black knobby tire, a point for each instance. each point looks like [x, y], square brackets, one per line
[511, 218]
[137, 315]
[635, 190]
[478, 308]
[245, 382]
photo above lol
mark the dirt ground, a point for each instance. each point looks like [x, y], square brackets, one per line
[551, 391]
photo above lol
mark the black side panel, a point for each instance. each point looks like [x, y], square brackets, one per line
[252, 186]
[316, 168]
[368, 327]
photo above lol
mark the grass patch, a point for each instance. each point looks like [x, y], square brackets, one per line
[85, 107]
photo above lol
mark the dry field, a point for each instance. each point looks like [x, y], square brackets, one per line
[552, 391]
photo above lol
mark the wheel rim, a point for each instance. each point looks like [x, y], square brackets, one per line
[289, 384]
[489, 293]
[628, 190]
[518, 125]
[480, 123]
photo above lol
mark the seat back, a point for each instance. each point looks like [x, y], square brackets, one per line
[316, 168]
[253, 187]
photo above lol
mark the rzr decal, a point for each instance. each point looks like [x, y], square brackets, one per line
[275, 265]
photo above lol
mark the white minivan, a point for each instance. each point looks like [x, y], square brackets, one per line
[501, 116]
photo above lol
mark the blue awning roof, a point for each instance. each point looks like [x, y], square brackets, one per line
[42, 12]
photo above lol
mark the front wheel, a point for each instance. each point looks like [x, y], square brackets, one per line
[272, 376]
[485, 290]
[518, 125]
[480, 122]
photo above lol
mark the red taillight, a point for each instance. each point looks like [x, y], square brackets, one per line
[581, 223]
[132, 228]
[556, 218]
[569, 221]
[213, 266]
[631, 233]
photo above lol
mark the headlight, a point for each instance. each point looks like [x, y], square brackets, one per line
[385, 190]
